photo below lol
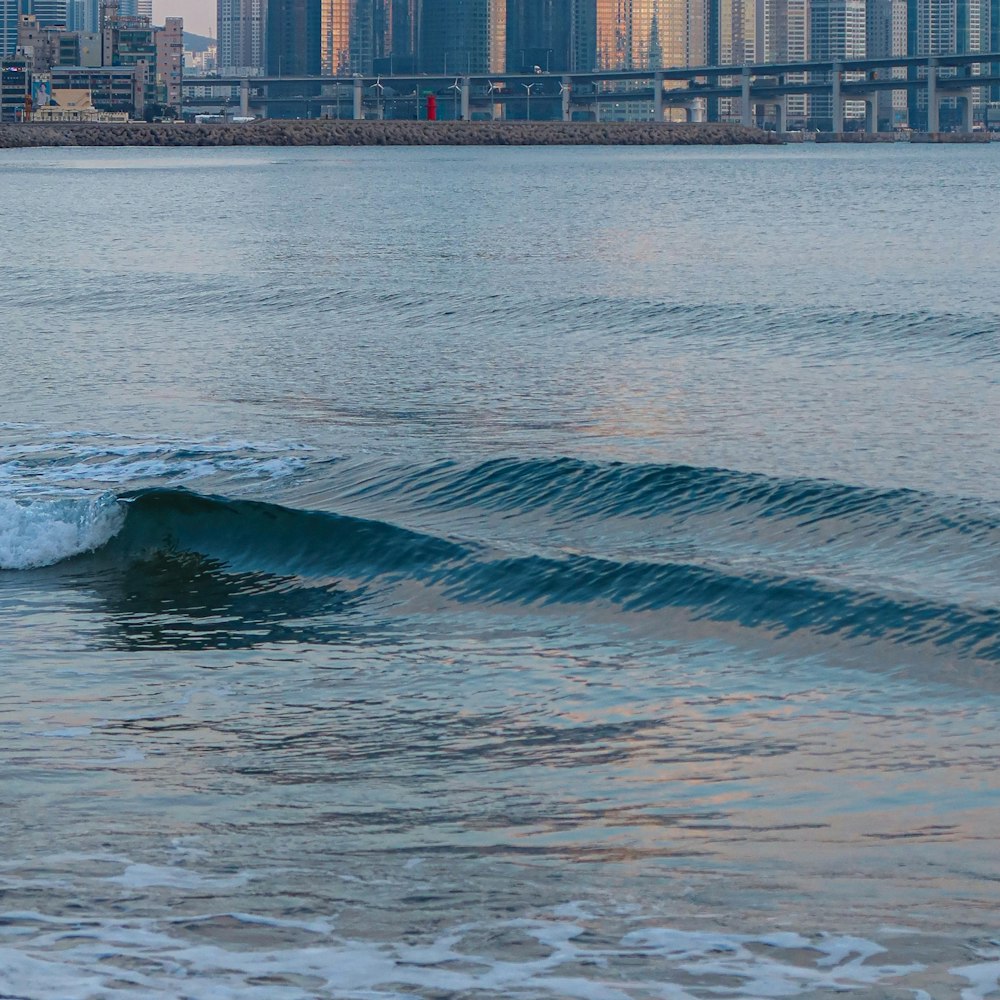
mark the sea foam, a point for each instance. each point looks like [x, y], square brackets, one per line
[43, 532]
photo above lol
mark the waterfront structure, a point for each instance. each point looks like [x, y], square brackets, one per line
[241, 42]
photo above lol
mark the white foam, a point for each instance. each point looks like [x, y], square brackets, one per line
[984, 979]
[140, 876]
[42, 532]
[143, 957]
[70, 459]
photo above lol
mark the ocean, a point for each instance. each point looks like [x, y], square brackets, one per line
[500, 573]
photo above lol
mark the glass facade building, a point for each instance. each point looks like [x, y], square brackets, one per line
[463, 36]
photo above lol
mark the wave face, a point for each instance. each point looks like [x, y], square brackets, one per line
[798, 560]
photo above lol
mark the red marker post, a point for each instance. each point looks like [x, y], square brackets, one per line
[432, 108]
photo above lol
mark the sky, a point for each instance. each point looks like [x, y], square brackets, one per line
[199, 15]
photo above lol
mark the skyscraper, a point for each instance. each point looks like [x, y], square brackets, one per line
[650, 34]
[886, 36]
[241, 26]
[10, 11]
[294, 38]
[463, 36]
[49, 12]
[83, 15]
[136, 8]
[837, 30]
[356, 33]
[939, 26]
[540, 33]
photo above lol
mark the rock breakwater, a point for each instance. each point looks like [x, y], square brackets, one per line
[383, 133]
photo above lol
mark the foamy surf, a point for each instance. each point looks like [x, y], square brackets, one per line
[42, 532]
[225, 956]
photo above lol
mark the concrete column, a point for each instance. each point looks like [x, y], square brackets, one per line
[359, 98]
[933, 108]
[837, 100]
[466, 106]
[567, 96]
[658, 97]
[871, 113]
[966, 99]
[746, 108]
[245, 98]
[779, 115]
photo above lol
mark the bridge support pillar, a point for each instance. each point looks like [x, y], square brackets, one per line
[780, 115]
[466, 103]
[567, 96]
[746, 108]
[245, 97]
[359, 99]
[965, 102]
[658, 97]
[836, 99]
[933, 107]
[871, 112]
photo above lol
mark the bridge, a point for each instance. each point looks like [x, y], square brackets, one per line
[938, 77]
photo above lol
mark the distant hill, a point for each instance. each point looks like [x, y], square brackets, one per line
[196, 43]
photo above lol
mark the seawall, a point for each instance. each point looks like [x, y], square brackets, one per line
[383, 133]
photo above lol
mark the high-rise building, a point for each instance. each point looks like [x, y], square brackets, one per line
[403, 42]
[136, 8]
[241, 27]
[886, 36]
[539, 33]
[939, 26]
[83, 15]
[294, 48]
[10, 13]
[294, 37]
[837, 30]
[49, 12]
[15, 81]
[463, 36]
[357, 34]
[649, 34]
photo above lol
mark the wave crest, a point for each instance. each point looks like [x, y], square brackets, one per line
[43, 532]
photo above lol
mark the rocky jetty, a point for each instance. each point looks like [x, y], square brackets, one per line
[383, 133]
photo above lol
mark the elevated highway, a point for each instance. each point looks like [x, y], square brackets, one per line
[951, 75]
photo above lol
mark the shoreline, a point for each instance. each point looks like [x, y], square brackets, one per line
[327, 132]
